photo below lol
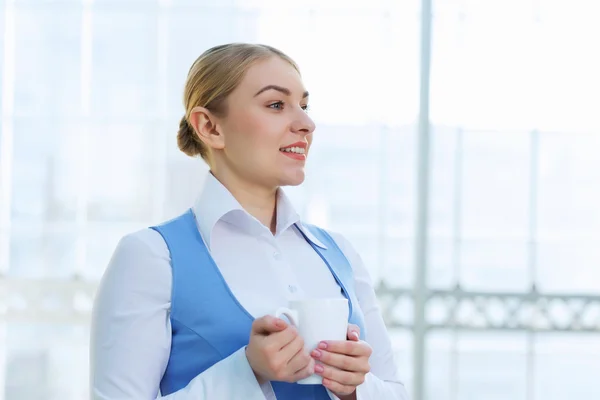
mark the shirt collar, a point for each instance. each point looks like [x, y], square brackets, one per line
[212, 204]
[215, 203]
[308, 234]
[287, 216]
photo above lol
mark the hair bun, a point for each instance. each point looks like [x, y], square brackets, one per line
[187, 140]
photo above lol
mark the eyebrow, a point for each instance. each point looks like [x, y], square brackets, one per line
[283, 90]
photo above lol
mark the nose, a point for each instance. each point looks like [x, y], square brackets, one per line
[302, 124]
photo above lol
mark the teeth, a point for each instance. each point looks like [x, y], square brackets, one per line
[297, 150]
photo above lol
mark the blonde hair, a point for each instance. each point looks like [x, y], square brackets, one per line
[212, 77]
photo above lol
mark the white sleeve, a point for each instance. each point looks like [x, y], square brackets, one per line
[131, 332]
[383, 381]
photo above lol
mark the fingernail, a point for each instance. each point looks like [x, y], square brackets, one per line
[355, 334]
[316, 354]
[323, 345]
[318, 368]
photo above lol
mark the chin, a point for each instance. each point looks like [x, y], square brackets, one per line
[293, 179]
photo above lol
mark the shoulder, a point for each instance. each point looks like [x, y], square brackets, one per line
[139, 257]
[138, 276]
[145, 242]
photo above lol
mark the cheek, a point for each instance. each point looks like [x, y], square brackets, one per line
[255, 137]
[243, 131]
[265, 133]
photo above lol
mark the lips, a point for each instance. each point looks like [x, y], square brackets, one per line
[296, 151]
[298, 147]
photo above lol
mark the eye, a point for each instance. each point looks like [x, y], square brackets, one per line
[278, 105]
[306, 107]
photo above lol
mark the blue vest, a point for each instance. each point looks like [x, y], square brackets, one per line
[207, 321]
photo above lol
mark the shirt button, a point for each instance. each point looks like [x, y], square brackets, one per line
[277, 256]
[292, 288]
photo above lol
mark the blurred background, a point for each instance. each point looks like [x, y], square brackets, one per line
[456, 147]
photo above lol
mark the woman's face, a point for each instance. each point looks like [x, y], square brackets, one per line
[266, 131]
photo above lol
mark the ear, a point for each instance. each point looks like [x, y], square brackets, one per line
[205, 126]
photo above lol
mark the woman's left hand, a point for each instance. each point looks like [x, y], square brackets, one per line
[344, 363]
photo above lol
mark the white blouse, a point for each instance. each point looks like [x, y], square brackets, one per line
[131, 330]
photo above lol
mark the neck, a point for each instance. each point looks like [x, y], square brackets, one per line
[258, 201]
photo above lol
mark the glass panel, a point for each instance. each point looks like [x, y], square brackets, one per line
[479, 209]
[46, 361]
[568, 218]
[402, 346]
[492, 366]
[496, 185]
[45, 182]
[442, 259]
[40, 4]
[462, 365]
[127, 3]
[566, 366]
[39, 250]
[125, 62]
[445, 206]
[495, 210]
[3, 18]
[487, 76]
[441, 360]
[122, 169]
[48, 61]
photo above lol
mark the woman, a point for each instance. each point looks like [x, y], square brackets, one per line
[185, 307]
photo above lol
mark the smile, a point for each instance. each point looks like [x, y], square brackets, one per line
[296, 150]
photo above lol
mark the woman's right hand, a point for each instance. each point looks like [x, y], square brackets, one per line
[276, 351]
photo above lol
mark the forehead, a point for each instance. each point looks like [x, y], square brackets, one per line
[272, 71]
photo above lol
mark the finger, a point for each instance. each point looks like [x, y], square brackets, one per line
[338, 388]
[279, 340]
[347, 347]
[305, 372]
[342, 361]
[340, 377]
[268, 324]
[294, 354]
[295, 360]
[353, 332]
[302, 364]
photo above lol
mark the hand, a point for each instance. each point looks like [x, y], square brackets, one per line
[276, 352]
[345, 363]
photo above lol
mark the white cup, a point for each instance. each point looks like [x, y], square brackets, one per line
[317, 320]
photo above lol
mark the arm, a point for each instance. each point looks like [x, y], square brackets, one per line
[131, 332]
[382, 382]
